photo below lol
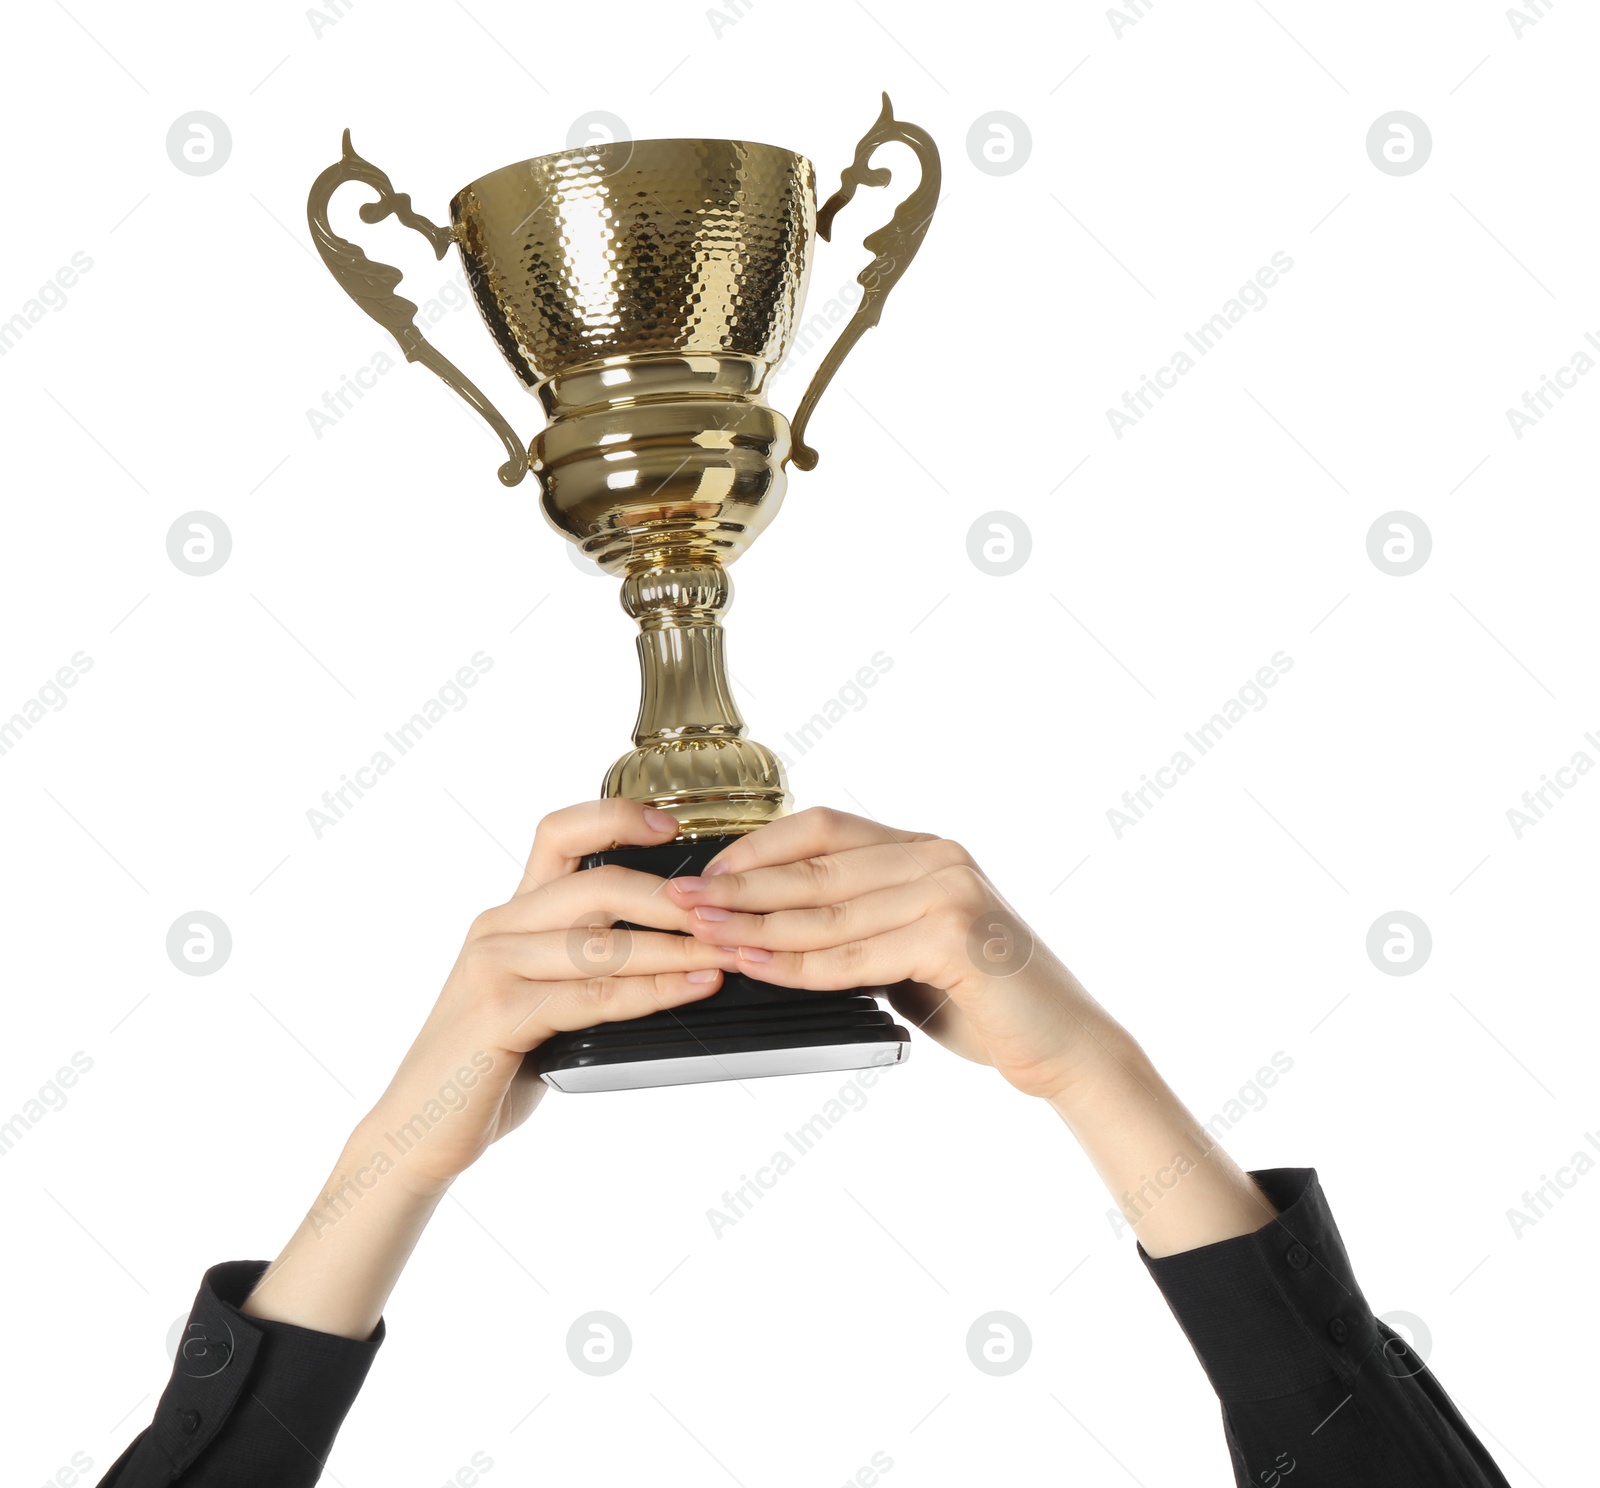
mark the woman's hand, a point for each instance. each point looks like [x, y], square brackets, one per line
[826, 901]
[544, 962]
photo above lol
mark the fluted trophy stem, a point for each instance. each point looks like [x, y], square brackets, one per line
[691, 756]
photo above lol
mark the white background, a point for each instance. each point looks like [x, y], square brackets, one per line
[1166, 567]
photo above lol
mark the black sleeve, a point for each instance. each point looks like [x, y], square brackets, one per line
[1315, 1391]
[251, 1403]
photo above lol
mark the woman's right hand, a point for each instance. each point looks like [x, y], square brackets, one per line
[546, 961]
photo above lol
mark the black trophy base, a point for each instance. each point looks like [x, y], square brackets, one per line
[746, 1030]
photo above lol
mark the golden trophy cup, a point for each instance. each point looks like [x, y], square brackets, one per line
[645, 291]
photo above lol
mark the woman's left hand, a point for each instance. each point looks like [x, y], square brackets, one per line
[825, 901]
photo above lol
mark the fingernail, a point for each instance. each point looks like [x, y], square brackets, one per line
[688, 884]
[710, 974]
[706, 912]
[659, 821]
[717, 867]
[754, 953]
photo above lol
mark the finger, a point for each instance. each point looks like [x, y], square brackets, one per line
[565, 836]
[901, 955]
[818, 829]
[873, 913]
[566, 1007]
[587, 953]
[593, 896]
[830, 878]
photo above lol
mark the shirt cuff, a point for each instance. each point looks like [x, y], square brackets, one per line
[281, 1391]
[1277, 1310]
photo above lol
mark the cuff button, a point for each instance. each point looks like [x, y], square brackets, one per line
[189, 1421]
[1338, 1330]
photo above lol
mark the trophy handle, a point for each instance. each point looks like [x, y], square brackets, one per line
[372, 285]
[893, 246]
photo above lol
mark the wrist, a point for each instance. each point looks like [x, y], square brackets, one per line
[381, 1157]
[1110, 1063]
[340, 1264]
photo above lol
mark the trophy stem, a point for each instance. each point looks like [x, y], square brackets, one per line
[691, 756]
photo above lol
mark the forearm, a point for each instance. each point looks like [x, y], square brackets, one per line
[1174, 1184]
[340, 1265]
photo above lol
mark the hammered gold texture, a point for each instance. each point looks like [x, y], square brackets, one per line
[649, 246]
